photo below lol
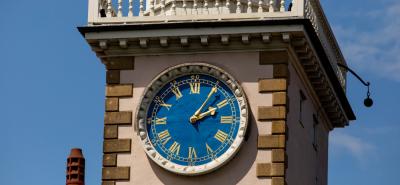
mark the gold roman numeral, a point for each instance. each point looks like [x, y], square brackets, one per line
[194, 88]
[209, 150]
[161, 121]
[221, 136]
[177, 92]
[162, 103]
[227, 119]
[222, 103]
[192, 153]
[164, 136]
[174, 148]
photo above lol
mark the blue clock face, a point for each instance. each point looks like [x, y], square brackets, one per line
[193, 119]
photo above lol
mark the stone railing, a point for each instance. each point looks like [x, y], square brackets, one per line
[114, 12]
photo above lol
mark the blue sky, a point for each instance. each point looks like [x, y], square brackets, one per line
[52, 92]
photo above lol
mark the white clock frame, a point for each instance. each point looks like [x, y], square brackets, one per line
[165, 77]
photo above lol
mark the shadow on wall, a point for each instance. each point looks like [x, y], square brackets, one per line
[229, 174]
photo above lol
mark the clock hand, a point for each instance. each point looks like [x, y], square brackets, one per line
[196, 114]
[211, 111]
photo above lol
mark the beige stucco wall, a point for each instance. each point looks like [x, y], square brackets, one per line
[241, 169]
[305, 164]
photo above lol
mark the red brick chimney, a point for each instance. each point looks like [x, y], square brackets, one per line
[75, 168]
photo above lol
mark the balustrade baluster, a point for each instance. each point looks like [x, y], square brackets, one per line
[151, 7]
[238, 6]
[217, 6]
[249, 6]
[260, 8]
[109, 8]
[119, 14]
[228, 6]
[141, 7]
[271, 6]
[130, 12]
[163, 7]
[195, 7]
[282, 6]
[173, 7]
[184, 7]
[206, 7]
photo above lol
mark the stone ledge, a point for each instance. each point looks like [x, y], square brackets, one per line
[110, 132]
[271, 113]
[270, 169]
[118, 117]
[272, 85]
[273, 57]
[117, 145]
[110, 160]
[123, 90]
[271, 141]
[112, 104]
[116, 173]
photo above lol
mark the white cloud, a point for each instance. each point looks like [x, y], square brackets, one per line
[376, 50]
[348, 144]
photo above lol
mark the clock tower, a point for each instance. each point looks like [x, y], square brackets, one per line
[217, 91]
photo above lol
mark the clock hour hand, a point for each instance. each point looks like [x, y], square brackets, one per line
[197, 113]
[211, 111]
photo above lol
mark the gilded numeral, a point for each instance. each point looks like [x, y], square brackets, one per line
[192, 154]
[161, 121]
[221, 136]
[162, 103]
[227, 119]
[194, 88]
[176, 91]
[164, 136]
[222, 103]
[209, 150]
[174, 148]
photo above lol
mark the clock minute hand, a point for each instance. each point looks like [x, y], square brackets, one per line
[196, 114]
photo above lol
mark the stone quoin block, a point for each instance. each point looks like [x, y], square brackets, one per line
[279, 98]
[278, 127]
[271, 141]
[108, 183]
[280, 71]
[110, 160]
[272, 85]
[110, 132]
[123, 90]
[112, 104]
[278, 181]
[120, 63]
[278, 155]
[118, 117]
[115, 173]
[113, 76]
[117, 145]
[271, 113]
[270, 169]
[273, 57]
